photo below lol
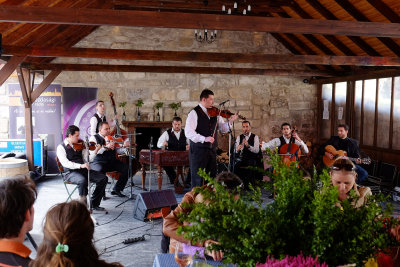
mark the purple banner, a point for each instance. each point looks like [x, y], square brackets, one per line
[46, 119]
[79, 105]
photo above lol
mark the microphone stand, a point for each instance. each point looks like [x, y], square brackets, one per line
[151, 152]
[88, 176]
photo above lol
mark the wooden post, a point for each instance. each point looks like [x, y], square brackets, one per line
[24, 82]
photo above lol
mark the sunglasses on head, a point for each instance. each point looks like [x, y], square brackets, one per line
[346, 167]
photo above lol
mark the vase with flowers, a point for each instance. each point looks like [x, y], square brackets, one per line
[138, 104]
[122, 105]
[158, 106]
[175, 107]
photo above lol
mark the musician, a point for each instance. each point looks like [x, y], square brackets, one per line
[173, 139]
[286, 138]
[76, 166]
[98, 117]
[200, 129]
[343, 142]
[104, 158]
[247, 148]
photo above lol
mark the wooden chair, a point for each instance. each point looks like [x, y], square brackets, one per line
[114, 176]
[66, 182]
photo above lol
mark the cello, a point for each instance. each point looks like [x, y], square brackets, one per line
[290, 152]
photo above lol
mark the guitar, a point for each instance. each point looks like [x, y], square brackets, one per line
[340, 153]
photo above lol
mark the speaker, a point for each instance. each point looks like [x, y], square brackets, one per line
[148, 203]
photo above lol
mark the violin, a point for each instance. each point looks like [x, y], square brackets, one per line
[81, 145]
[290, 152]
[214, 112]
[118, 142]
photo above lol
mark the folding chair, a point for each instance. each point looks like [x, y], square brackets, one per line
[66, 182]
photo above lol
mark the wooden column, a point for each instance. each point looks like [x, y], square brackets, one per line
[24, 82]
[29, 96]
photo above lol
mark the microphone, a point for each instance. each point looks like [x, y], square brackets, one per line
[118, 135]
[151, 141]
[223, 102]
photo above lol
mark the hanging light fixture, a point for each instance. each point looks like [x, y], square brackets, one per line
[207, 36]
[236, 11]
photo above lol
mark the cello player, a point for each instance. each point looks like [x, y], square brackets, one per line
[287, 136]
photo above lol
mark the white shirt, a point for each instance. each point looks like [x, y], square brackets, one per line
[191, 125]
[253, 149]
[165, 137]
[92, 154]
[62, 156]
[276, 142]
[93, 123]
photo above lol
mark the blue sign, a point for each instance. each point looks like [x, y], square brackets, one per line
[18, 146]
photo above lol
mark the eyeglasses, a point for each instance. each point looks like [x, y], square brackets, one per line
[346, 167]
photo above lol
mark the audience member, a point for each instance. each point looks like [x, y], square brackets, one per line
[68, 238]
[17, 196]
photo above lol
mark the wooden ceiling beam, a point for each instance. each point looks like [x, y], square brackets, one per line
[178, 69]
[359, 76]
[10, 67]
[330, 16]
[163, 55]
[385, 10]
[44, 84]
[97, 17]
[354, 12]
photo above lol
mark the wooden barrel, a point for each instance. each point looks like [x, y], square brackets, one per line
[10, 167]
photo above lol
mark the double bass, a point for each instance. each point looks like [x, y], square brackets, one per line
[118, 136]
[290, 152]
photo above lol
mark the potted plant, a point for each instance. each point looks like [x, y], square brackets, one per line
[122, 105]
[304, 218]
[158, 106]
[175, 107]
[138, 104]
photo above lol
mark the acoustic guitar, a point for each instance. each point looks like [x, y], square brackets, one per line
[340, 153]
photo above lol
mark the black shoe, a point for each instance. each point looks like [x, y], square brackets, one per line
[98, 208]
[117, 193]
[105, 198]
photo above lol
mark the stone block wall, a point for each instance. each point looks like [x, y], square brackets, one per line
[267, 101]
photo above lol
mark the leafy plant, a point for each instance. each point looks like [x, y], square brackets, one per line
[175, 106]
[122, 104]
[139, 102]
[159, 105]
[306, 217]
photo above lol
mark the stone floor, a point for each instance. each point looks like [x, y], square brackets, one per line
[112, 228]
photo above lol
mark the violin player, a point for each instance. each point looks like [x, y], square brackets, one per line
[200, 129]
[247, 148]
[76, 167]
[286, 138]
[104, 157]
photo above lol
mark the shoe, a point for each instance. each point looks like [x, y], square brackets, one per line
[117, 193]
[105, 198]
[98, 208]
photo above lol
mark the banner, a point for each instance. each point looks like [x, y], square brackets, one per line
[46, 119]
[79, 105]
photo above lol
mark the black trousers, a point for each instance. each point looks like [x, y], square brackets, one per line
[110, 166]
[170, 171]
[202, 157]
[79, 177]
[248, 176]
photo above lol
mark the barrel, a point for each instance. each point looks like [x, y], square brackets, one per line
[10, 167]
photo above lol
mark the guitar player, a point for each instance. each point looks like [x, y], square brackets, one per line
[349, 145]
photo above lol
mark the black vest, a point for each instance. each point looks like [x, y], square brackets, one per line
[283, 142]
[247, 154]
[72, 155]
[174, 144]
[107, 156]
[205, 127]
[98, 121]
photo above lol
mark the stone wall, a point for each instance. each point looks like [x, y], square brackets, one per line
[266, 101]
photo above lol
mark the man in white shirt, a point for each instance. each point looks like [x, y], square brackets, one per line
[287, 136]
[76, 166]
[247, 148]
[103, 158]
[200, 130]
[175, 140]
[98, 117]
